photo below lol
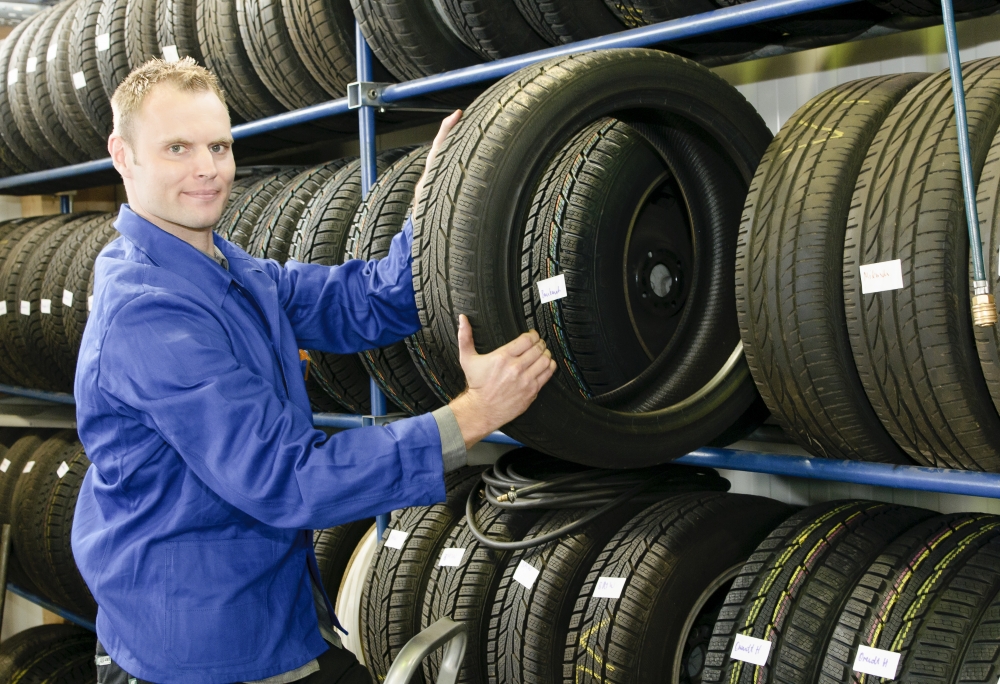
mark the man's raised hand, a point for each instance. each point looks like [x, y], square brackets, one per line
[446, 125]
[501, 384]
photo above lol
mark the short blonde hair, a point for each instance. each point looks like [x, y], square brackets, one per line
[184, 74]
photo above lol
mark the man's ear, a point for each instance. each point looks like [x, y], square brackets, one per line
[119, 155]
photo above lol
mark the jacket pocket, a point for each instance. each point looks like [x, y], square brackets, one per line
[217, 601]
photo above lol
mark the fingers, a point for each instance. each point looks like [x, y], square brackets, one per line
[543, 366]
[522, 343]
[447, 124]
[466, 345]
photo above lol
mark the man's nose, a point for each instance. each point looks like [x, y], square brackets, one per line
[204, 163]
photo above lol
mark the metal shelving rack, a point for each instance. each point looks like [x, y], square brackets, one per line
[369, 96]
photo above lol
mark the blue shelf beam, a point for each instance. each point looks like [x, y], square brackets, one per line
[942, 480]
[52, 608]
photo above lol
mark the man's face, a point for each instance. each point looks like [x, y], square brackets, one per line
[180, 167]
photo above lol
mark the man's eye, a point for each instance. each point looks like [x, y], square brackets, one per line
[176, 149]
[218, 149]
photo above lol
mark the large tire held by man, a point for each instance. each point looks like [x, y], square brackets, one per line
[474, 255]
[914, 346]
[792, 319]
[376, 223]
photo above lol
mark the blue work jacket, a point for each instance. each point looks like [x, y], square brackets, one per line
[192, 528]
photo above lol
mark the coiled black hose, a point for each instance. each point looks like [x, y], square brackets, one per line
[556, 484]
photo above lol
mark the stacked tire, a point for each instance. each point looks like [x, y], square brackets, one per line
[41, 472]
[841, 577]
[50, 654]
[634, 583]
[864, 179]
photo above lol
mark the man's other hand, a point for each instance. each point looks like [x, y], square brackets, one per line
[501, 384]
[446, 125]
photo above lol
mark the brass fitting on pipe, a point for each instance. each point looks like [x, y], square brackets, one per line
[984, 310]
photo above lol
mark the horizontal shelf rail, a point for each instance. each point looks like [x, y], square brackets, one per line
[941, 480]
[677, 29]
[52, 608]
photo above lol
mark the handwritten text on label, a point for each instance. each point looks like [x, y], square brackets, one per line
[875, 661]
[885, 275]
[750, 649]
[609, 587]
[551, 289]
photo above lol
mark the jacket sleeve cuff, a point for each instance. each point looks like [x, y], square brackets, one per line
[452, 443]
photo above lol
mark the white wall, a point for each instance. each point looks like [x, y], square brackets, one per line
[777, 86]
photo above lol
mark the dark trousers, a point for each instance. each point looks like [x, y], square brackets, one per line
[336, 666]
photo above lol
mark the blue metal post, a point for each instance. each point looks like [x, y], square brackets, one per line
[366, 135]
[984, 311]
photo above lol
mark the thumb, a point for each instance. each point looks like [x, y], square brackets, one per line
[466, 345]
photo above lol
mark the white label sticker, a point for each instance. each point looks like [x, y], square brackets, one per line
[396, 539]
[525, 574]
[3, 307]
[90, 302]
[31, 66]
[875, 661]
[46, 306]
[102, 660]
[451, 558]
[750, 649]
[79, 80]
[551, 289]
[25, 308]
[609, 587]
[62, 469]
[67, 298]
[103, 42]
[52, 52]
[28, 466]
[885, 275]
[4, 465]
[12, 77]
[170, 53]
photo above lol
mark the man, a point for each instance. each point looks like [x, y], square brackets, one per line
[192, 528]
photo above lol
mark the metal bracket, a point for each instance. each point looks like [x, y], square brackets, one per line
[369, 94]
[368, 421]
